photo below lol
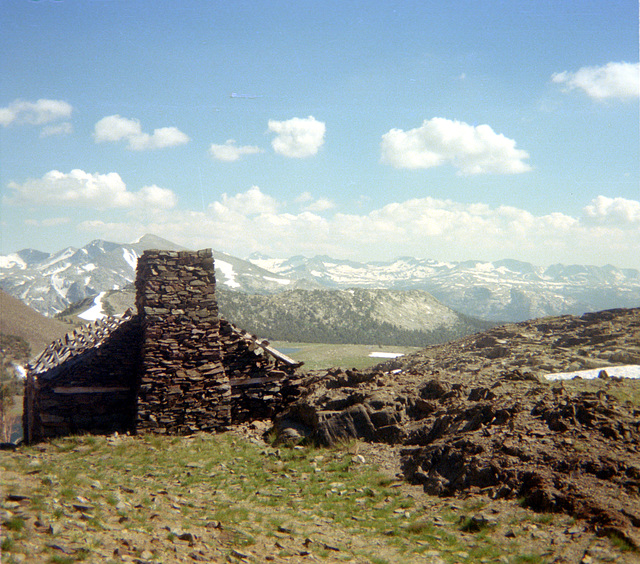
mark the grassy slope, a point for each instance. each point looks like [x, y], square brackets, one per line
[226, 498]
[18, 319]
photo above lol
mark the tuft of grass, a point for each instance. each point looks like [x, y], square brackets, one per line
[14, 524]
[7, 544]
[60, 559]
[622, 544]
[528, 559]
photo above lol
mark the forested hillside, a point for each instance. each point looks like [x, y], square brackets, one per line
[356, 316]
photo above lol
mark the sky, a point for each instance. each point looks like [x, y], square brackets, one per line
[362, 130]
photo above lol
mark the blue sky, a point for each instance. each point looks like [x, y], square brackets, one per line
[363, 130]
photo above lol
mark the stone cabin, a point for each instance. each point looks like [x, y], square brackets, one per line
[174, 367]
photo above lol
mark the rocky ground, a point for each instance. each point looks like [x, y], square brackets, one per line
[477, 417]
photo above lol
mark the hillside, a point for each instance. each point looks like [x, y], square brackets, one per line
[357, 316]
[484, 415]
[20, 320]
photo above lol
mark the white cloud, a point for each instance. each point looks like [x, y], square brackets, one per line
[319, 205]
[613, 80]
[251, 202]
[616, 211]
[471, 149]
[297, 137]
[229, 152]
[422, 227]
[34, 113]
[304, 198]
[309, 204]
[117, 128]
[83, 189]
[64, 128]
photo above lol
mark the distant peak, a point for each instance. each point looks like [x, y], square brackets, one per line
[150, 241]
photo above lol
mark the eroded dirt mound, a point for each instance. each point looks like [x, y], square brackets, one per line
[477, 416]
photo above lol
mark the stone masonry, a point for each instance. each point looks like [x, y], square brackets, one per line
[174, 368]
[183, 384]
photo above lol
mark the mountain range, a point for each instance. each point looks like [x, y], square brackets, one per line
[506, 290]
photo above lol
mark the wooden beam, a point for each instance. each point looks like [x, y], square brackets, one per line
[89, 389]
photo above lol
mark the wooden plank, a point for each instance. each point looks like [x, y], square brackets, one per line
[264, 344]
[249, 381]
[89, 389]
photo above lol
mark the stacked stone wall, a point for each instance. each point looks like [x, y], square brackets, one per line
[260, 384]
[174, 368]
[92, 391]
[183, 384]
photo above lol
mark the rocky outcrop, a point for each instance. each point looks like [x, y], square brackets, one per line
[477, 416]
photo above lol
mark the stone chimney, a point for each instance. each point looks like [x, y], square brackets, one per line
[183, 385]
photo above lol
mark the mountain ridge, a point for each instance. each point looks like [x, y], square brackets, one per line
[503, 290]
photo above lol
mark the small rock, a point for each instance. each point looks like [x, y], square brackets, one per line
[190, 537]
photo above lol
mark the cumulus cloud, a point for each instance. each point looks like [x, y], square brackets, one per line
[310, 204]
[471, 149]
[251, 202]
[82, 189]
[443, 229]
[34, 113]
[617, 211]
[297, 137]
[320, 205]
[117, 128]
[613, 80]
[229, 152]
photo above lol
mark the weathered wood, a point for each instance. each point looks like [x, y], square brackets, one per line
[264, 345]
[90, 389]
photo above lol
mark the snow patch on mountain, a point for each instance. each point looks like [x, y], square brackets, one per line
[228, 273]
[282, 281]
[96, 311]
[130, 257]
[12, 261]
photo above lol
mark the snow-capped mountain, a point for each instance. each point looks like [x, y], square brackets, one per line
[49, 283]
[505, 290]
